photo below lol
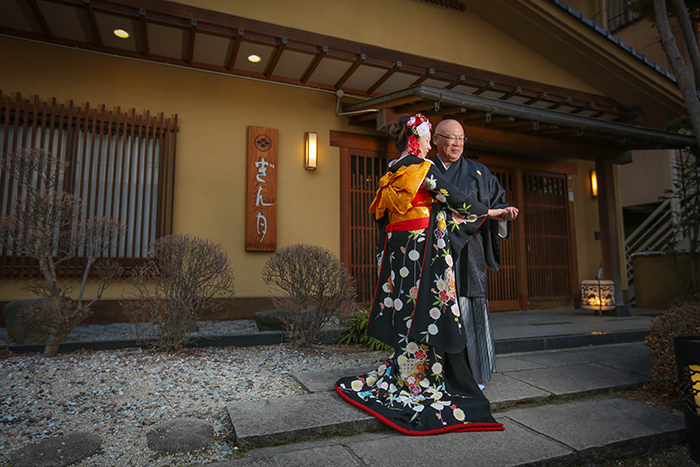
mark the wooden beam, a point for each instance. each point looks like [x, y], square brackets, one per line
[314, 64]
[348, 73]
[459, 80]
[514, 92]
[237, 40]
[564, 102]
[144, 33]
[499, 159]
[385, 76]
[93, 23]
[541, 97]
[517, 143]
[578, 110]
[275, 58]
[40, 18]
[190, 48]
[423, 77]
[484, 88]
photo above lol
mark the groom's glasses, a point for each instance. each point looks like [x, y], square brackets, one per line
[459, 139]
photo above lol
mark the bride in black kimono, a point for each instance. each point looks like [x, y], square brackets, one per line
[425, 387]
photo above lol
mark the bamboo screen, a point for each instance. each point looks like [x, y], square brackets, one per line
[366, 170]
[503, 286]
[547, 236]
[120, 164]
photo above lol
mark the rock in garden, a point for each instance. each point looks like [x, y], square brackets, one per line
[57, 452]
[270, 320]
[180, 435]
[17, 329]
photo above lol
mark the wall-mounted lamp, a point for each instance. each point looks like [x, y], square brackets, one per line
[311, 151]
[594, 184]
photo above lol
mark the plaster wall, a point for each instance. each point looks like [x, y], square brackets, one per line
[646, 178]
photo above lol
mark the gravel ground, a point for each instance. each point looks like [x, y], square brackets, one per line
[120, 395]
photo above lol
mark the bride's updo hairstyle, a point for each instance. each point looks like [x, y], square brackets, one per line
[399, 132]
[405, 130]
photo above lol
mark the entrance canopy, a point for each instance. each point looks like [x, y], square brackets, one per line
[532, 128]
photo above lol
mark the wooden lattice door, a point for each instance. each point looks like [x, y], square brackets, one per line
[502, 289]
[547, 240]
[366, 168]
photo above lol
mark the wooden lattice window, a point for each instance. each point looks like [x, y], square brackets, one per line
[365, 169]
[547, 239]
[503, 286]
[121, 166]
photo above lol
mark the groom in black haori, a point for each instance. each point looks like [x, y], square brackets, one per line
[482, 250]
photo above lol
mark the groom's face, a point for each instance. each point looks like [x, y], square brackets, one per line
[449, 140]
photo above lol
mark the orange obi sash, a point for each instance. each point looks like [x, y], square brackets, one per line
[400, 194]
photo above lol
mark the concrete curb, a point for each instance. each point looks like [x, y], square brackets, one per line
[503, 346]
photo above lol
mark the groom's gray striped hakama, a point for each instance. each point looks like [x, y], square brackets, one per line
[481, 351]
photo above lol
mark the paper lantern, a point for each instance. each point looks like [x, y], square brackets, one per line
[598, 294]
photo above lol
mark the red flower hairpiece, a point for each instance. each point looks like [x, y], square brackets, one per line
[419, 124]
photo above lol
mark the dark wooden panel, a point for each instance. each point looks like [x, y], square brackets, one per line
[547, 240]
[366, 168]
[503, 285]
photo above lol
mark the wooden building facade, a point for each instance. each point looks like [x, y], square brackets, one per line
[156, 124]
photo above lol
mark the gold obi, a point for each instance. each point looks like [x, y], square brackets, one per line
[420, 207]
[401, 195]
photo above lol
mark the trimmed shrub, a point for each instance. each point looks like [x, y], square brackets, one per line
[313, 285]
[184, 277]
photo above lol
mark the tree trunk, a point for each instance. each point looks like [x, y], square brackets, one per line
[677, 64]
[55, 339]
[690, 37]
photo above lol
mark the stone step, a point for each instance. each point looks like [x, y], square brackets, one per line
[523, 377]
[575, 433]
[287, 419]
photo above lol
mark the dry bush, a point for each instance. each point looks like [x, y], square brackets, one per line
[44, 225]
[312, 285]
[184, 277]
[682, 318]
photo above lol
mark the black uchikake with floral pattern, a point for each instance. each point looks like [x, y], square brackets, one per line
[425, 387]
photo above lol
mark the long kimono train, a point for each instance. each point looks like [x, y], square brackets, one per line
[426, 386]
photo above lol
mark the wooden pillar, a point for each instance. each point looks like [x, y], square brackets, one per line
[345, 209]
[609, 235]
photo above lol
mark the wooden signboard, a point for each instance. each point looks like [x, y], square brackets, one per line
[261, 191]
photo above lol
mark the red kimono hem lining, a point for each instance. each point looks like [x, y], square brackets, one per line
[480, 426]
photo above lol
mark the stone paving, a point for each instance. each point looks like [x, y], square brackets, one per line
[584, 431]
